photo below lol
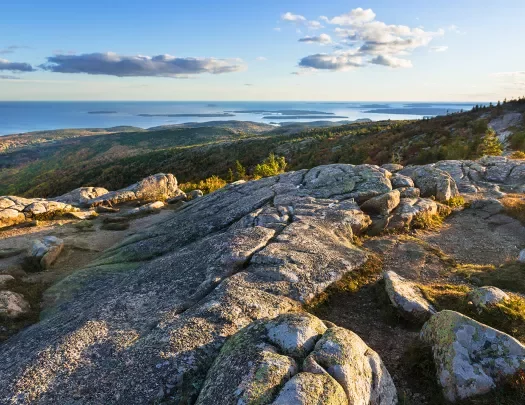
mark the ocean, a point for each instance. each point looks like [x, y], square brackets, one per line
[27, 116]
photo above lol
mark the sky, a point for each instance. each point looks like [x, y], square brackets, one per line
[339, 50]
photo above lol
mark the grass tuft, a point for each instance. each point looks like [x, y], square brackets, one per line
[514, 206]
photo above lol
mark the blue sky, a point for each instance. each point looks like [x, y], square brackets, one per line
[264, 50]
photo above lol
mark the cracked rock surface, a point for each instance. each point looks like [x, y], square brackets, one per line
[147, 319]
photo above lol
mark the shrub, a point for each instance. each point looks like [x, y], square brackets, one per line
[271, 166]
[517, 141]
[517, 155]
[207, 186]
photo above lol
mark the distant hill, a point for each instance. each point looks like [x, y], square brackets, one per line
[52, 164]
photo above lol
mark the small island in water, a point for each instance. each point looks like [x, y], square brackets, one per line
[188, 115]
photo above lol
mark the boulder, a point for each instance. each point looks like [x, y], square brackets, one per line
[311, 389]
[262, 362]
[5, 278]
[9, 216]
[471, 358]
[486, 297]
[102, 209]
[383, 204]
[13, 305]
[410, 209]
[43, 253]
[410, 192]
[432, 182]
[146, 209]
[194, 194]
[406, 297]
[355, 366]
[181, 197]
[399, 181]
[392, 167]
[47, 209]
[80, 196]
[153, 188]
[82, 215]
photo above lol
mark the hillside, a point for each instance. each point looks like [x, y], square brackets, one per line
[195, 153]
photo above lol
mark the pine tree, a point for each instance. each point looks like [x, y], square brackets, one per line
[490, 144]
[240, 171]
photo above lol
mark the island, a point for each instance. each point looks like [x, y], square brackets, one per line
[188, 115]
[300, 117]
[414, 111]
[283, 112]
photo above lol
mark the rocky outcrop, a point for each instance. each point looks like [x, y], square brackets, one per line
[146, 320]
[43, 253]
[13, 305]
[406, 297]
[471, 358]
[383, 204]
[296, 359]
[80, 196]
[15, 210]
[502, 125]
[157, 187]
[487, 173]
[399, 181]
[411, 209]
[432, 181]
[485, 297]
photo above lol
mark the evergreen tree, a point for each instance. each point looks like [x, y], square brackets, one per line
[490, 144]
[240, 170]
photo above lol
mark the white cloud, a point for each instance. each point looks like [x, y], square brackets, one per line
[390, 61]
[339, 60]
[112, 64]
[373, 41]
[355, 17]
[293, 17]
[314, 25]
[323, 39]
[277, 29]
[441, 48]
[301, 20]
[261, 58]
